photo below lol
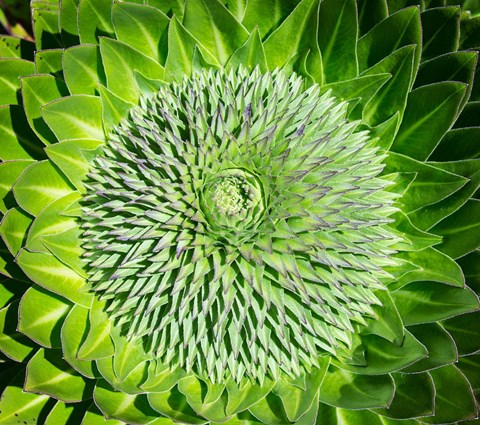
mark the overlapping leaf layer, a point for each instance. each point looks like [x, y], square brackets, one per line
[382, 319]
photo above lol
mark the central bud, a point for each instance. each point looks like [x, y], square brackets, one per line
[232, 199]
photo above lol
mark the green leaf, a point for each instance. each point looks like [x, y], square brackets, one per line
[11, 69]
[74, 157]
[63, 413]
[470, 367]
[296, 35]
[424, 302]
[15, 47]
[431, 265]
[414, 397]
[18, 406]
[120, 61]
[370, 13]
[18, 140]
[465, 330]
[461, 230]
[173, 404]
[128, 355]
[391, 98]
[37, 91]
[50, 62]
[242, 396]
[458, 144]
[114, 107]
[13, 344]
[39, 185]
[74, 331]
[83, 69]
[48, 373]
[436, 103]
[141, 27]
[215, 27]
[469, 115]
[384, 357]
[269, 410]
[13, 228]
[440, 346]
[413, 239]
[388, 323]
[341, 388]
[337, 39]
[454, 399]
[400, 29]
[68, 22]
[75, 117]
[131, 384]
[46, 31]
[98, 343]
[471, 267]
[431, 184]
[54, 276]
[94, 20]
[93, 416]
[250, 54]
[41, 316]
[440, 30]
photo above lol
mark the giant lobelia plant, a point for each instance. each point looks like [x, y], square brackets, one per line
[241, 212]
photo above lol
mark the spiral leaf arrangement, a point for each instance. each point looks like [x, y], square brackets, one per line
[241, 212]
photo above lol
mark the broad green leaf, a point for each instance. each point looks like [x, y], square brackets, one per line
[215, 27]
[47, 271]
[440, 346]
[431, 184]
[193, 389]
[414, 397]
[114, 107]
[141, 27]
[37, 91]
[15, 47]
[124, 407]
[161, 378]
[454, 399]
[13, 344]
[18, 140]
[46, 31]
[94, 20]
[461, 230]
[50, 62]
[353, 391]
[458, 144]
[388, 323]
[93, 416]
[400, 29]
[469, 37]
[174, 405]
[48, 373]
[128, 355]
[39, 185]
[465, 330]
[82, 68]
[391, 98]
[250, 54]
[436, 103]
[297, 401]
[18, 406]
[440, 30]
[181, 48]
[337, 39]
[65, 413]
[41, 315]
[242, 396]
[8, 267]
[269, 410]
[75, 117]
[13, 229]
[431, 265]
[119, 61]
[471, 267]
[74, 157]
[98, 343]
[413, 239]
[296, 35]
[470, 367]
[370, 13]
[432, 214]
[131, 384]
[267, 14]
[384, 357]
[10, 290]
[74, 331]
[68, 22]
[11, 69]
[469, 115]
[455, 66]
[426, 302]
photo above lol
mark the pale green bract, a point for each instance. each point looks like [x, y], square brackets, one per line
[241, 212]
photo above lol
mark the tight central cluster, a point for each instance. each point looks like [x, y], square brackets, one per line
[236, 224]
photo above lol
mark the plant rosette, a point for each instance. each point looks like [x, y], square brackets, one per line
[241, 212]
